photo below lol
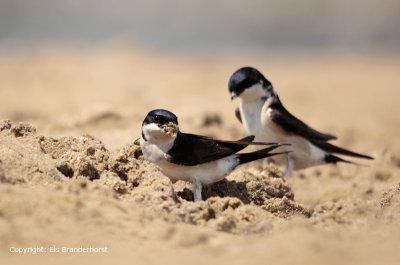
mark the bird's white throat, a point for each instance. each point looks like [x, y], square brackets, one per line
[254, 92]
[154, 134]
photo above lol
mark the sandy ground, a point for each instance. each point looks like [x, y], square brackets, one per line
[71, 176]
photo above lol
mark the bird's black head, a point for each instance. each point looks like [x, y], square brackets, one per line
[244, 78]
[160, 117]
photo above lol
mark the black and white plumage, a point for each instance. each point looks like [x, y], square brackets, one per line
[194, 158]
[263, 115]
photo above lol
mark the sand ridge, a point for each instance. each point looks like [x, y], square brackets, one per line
[107, 191]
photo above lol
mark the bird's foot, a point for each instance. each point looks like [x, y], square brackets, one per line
[197, 189]
[173, 194]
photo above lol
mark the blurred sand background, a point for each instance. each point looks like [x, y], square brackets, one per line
[77, 79]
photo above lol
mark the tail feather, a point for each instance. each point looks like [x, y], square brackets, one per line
[334, 159]
[249, 141]
[246, 139]
[330, 148]
[263, 153]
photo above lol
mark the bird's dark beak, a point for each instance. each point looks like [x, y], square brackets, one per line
[233, 95]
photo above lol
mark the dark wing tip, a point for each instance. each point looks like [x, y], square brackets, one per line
[268, 149]
[263, 153]
[267, 143]
[249, 139]
[334, 159]
[368, 157]
[330, 148]
[330, 137]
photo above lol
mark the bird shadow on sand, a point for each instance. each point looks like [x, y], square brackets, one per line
[243, 190]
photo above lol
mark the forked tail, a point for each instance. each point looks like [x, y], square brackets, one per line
[330, 148]
[334, 159]
[263, 153]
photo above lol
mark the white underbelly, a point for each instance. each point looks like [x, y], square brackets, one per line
[207, 173]
[251, 117]
[304, 154]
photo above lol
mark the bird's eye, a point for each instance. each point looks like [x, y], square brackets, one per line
[158, 119]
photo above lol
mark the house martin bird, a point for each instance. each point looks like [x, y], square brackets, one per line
[194, 158]
[263, 115]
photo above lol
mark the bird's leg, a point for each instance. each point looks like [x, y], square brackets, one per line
[173, 194]
[197, 189]
[289, 165]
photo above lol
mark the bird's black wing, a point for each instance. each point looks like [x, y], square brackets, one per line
[330, 148]
[238, 116]
[191, 149]
[291, 124]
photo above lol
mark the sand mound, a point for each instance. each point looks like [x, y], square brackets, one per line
[21, 158]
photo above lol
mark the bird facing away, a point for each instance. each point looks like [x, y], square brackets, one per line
[263, 115]
[194, 158]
